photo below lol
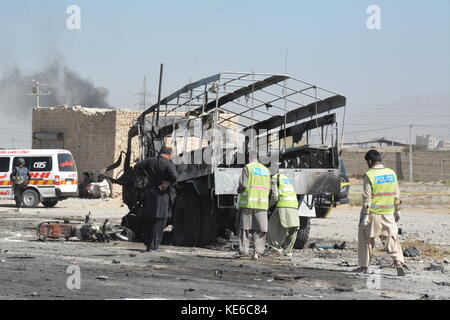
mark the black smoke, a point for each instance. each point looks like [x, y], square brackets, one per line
[65, 85]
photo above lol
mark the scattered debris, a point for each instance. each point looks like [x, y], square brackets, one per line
[311, 297]
[132, 255]
[442, 283]
[344, 288]
[435, 267]
[411, 252]
[284, 278]
[115, 261]
[426, 296]
[188, 290]
[102, 278]
[401, 231]
[328, 246]
[219, 273]
[344, 264]
[290, 293]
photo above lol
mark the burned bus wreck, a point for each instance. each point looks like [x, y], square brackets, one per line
[212, 124]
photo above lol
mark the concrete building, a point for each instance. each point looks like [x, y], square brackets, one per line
[429, 141]
[382, 145]
[444, 144]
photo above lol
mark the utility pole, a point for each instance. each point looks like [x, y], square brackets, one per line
[410, 154]
[36, 91]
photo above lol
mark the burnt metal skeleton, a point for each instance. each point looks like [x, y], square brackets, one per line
[213, 123]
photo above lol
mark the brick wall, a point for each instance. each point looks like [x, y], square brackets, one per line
[427, 165]
[94, 136]
[124, 120]
[88, 133]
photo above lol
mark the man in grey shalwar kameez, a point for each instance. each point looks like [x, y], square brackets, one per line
[254, 187]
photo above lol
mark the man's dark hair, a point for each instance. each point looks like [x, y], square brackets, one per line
[87, 174]
[373, 155]
[166, 150]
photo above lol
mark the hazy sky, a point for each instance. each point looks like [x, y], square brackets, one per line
[395, 76]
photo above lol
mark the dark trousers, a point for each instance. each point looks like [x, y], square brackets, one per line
[153, 232]
[18, 190]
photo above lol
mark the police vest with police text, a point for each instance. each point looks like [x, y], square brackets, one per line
[256, 192]
[384, 187]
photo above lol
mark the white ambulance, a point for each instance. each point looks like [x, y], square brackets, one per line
[53, 176]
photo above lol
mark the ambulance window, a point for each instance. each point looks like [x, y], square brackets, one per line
[27, 162]
[38, 164]
[4, 164]
[66, 162]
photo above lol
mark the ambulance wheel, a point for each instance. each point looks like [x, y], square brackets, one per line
[303, 233]
[30, 198]
[186, 224]
[49, 203]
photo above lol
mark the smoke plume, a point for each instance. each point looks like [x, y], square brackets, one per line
[66, 88]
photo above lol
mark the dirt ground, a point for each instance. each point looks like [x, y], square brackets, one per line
[30, 269]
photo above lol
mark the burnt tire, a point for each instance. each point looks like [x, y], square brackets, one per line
[208, 221]
[50, 203]
[30, 198]
[303, 233]
[187, 215]
[323, 212]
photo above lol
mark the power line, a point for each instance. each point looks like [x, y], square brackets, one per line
[373, 130]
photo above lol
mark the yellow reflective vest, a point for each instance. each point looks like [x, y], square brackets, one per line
[287, 197]
[384, 186]
[256, 192]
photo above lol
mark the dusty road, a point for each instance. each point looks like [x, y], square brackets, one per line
[30, 269]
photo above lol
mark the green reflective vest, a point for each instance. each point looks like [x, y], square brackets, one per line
[256, 192]
[287, 197]
[384, 185]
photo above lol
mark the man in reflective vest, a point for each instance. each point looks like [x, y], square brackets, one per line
[19, 177]
[254, 188]
[284, 221]
[379, 214]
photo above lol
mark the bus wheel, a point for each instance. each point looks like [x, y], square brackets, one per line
[303, 233]
[49, 203]
[323, 212]
[30, 198]
[186, 226]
